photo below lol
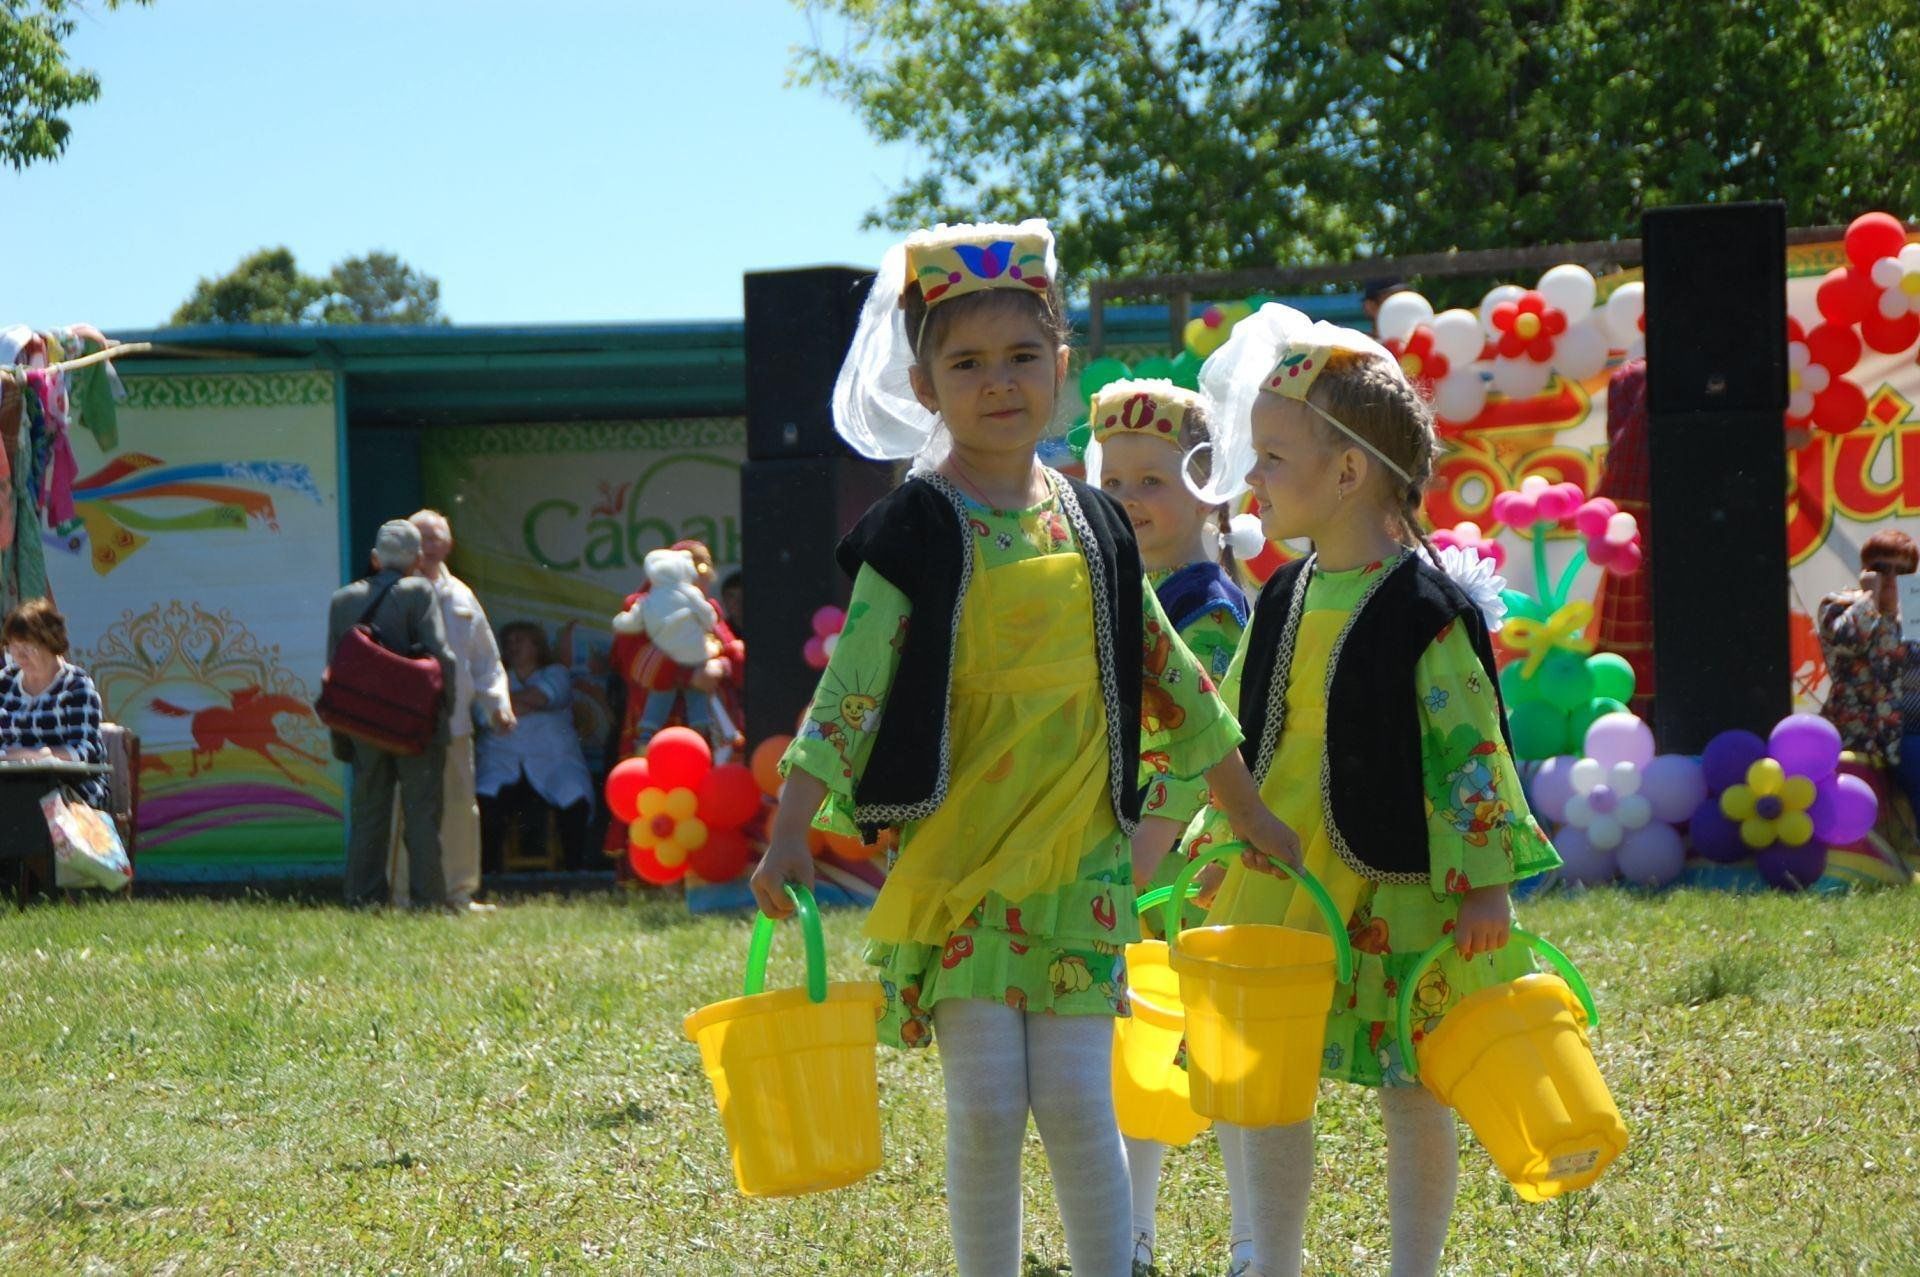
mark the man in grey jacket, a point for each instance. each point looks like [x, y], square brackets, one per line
[408, 619]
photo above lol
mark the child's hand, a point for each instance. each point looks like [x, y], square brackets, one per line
[787, 860]
[1209, 880]
[1485, 922]
[1155, 837]
[1272, 839]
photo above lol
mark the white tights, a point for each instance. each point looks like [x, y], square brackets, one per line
[1143, 1165]
[999, 1064]
[1423, 1173]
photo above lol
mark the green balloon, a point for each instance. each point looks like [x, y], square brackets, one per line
[1523, 605]
[1584, 717]
[1079, 437]
[1612, 676]
[1099, 373]
[1186, 370]
[1159, 367]
[1565, 681]
[1539, 730]
[1516, 688]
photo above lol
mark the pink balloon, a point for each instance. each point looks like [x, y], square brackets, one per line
[1515, 510]
[1551, 788]
[1652, 856]
[828, 620]
[1583, 864]
[1620, 738]
[1591, 518]
[1806, 745]
[1844, 810]
[1674, 784]
[815, 653]
[1559, 501]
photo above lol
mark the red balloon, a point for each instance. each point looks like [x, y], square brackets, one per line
[1841, 407]
[729, 797]
[1834, 346]
[1873, 236]
[648, 866]
[679, 758]
[624, 784]
[1890, 336]
[723, 858]
[1846, 296]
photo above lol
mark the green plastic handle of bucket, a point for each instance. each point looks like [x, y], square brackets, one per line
[1336, 925]
[1159, 896]
[816, 944]
[1558, 960]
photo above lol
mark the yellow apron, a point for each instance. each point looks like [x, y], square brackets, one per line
[1028, 794]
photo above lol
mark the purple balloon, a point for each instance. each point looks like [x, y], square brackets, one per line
[1727, 758]
[1844, 809]
[1652, 856]
[1551, 788]
[1583, 864]
[1620, 738]
[1675, 785]
[1793, 868]
[1806, 745]
[1714, 836]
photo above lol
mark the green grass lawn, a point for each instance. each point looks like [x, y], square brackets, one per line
[201, 1087]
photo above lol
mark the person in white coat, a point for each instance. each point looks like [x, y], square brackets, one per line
[479, 692]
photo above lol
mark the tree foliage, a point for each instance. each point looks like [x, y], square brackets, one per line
[268, 287]
[1205, 134]
[38, 83]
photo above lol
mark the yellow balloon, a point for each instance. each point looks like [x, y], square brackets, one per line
[682, 803]
[1798, 794]
[651, 803]
[1796, 828]
[1234, 312]
[1202, 340]
[1756, 833]
[1766, 776]
[670, 854]
[690, 834]
[1737, 803]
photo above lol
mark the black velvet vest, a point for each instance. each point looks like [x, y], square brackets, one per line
[1372, 794]
[916, 538]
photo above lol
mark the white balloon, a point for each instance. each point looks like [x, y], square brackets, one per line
[1587, 775]
[1605, 833]
[1569, 288]
[1496, 295]
[1245, 537]
[1815, 378]
[1800, 403]
[1893, 302]
[1581, 351]
[1520, 378]
[1400, 314]
[1624, 308]
[1579, 810]
[1622, 527]
[1634, 811]
[1457, 336]
[1886, 272]
[1623, 778]
[1909, 257]
[1461, 395]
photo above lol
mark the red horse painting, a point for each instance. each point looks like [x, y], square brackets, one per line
[246, 723]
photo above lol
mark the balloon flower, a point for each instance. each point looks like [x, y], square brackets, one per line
[682, 812]
[828, 622]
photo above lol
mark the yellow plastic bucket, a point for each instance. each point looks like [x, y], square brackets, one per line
[1150, 1091]
[793, 1071]
[1515, 1062]
[1256, 1000]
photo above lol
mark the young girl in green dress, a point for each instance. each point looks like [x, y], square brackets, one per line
[1143, 432]
[989, 698]
[1366, 687]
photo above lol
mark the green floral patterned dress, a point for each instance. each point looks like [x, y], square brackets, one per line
[1029, 780]
[1480, 833]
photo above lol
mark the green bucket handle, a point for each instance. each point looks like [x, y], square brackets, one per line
[1159, 896]
[1336, 925]
[1558, 960]
[816, 945]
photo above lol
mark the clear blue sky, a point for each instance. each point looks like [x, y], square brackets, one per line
[566, 161]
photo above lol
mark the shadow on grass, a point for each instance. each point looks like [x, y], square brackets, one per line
[632, 1113]
[1724, 975]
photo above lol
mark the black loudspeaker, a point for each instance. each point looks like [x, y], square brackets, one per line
[1719, 564]
[798, 327]
[793, 514]
[1716, 308]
